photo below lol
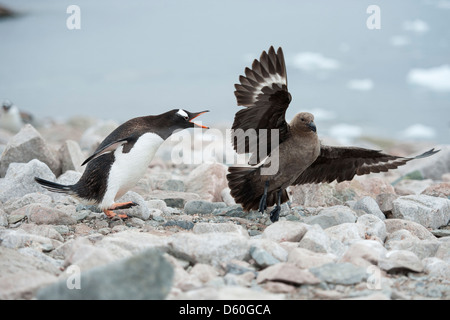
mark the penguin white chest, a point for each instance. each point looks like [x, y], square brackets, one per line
[129, 167]
[11, 120]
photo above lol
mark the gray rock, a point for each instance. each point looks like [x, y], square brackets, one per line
[287, 273]
[16, 239]
[3, 218]
[80, 215]
[69, 177]
[174, 199]
[170, 185]
[95, 134]
[242, 280]
[96, 250]
[411, 186]
[232, 211]
[71, 156]
[332, 216]
[46, 231]
[175, 202]
[396, 260]
[441, 232]
[22, 275]
[317, 240]
[25, 146]
[314, 195]
[140, 211]
[436, 267]
[340, 273]
[41, 214]
[431, 212]
[274, 248]
[184, 224]
[364, 253]
[347, 233]
[286, 231]
[399, 235]
[369, 206]
[262, 258]
[147, 275]
[202, 206]
[414, 228]
[19, 179]
[14, 204]
[306, 259]
[157, 204]
[421, 248]
[239, 267]
[207, 180]
[444, 251]
[205, 227]
[134, 222]
[209, 248]
[385, 200]
[64, 230]
[156, 214]
[15, 218]
[438, 190]
[228, 293]
[204, 272]
[373, 226]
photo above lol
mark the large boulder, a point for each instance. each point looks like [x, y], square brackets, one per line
[71, 156]
[208, 180]
[212, 248]
[147, 275]
[27, 145]
[332, 216]
[431, 212]
[19, 179]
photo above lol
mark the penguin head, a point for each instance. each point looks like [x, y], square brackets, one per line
[6, 105]
[183, 119]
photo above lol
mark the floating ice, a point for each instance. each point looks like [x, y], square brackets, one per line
[360, 84]
[419, 131]
[345, 133]
[437, 79]
[399, 41]
[311, 61]
[417, 26]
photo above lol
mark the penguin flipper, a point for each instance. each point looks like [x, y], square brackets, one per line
[110, 147]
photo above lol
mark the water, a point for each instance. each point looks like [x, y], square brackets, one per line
[146, 57]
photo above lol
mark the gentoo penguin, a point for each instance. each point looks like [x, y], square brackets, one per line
[298, 155]
[11, 118]
[122, 159]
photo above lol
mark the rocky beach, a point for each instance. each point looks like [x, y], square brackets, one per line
[380, 236]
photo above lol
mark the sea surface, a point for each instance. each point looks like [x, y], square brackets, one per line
[382, 73]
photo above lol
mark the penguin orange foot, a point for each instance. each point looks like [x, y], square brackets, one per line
[122, 159]
[118, 206]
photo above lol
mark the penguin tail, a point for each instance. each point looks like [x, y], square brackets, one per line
[55, 187]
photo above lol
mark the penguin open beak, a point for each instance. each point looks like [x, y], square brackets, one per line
[192, 116]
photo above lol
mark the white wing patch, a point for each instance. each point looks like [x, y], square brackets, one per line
[269, 82]
[182, 113]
